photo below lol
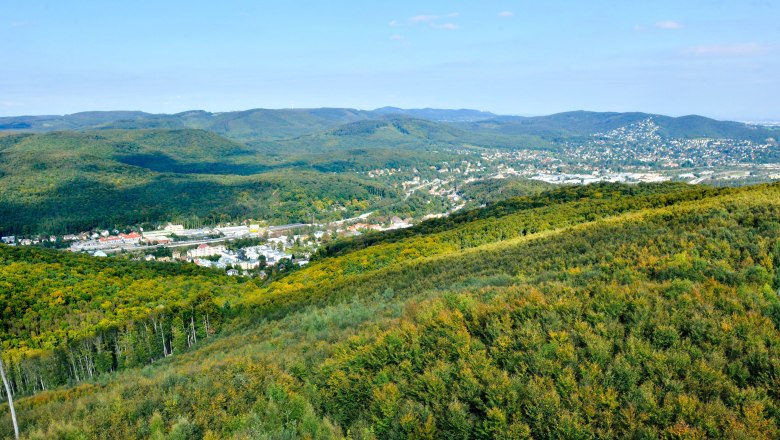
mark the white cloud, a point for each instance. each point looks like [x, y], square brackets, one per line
[735, 49]
[505, 14]
[668, 24]
[397, 37]
[422, 19]
[435, 21]
[447, 26]
[393, 23]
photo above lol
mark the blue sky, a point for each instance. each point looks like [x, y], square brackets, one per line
[716, 58]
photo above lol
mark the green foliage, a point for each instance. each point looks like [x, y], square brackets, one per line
[490, 191]
[622, 312]
[66, 182]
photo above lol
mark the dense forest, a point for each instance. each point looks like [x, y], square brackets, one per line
[606, 311]
[65, 181]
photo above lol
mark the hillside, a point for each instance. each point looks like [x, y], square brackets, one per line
[290, 165]
[254, 124]
[583, 124]
[71, 181]
[248, 124]
[276, 124]
[605, 311]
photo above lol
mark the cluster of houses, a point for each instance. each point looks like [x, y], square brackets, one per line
[206, 246]
[244, 260]
[106, 240]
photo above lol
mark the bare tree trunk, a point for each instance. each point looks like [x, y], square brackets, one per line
[166, 352]
[192, 324]
[8, 393]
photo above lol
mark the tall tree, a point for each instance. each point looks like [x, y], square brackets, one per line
[8, 393]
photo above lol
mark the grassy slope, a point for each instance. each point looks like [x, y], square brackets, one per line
[630, 323]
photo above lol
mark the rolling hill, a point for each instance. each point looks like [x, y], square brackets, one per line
[604, 311]
[276, 124]
[72, 181]
[254, 124]
[583, 124]
[196, 164]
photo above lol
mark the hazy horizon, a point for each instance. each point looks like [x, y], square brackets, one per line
[711, 58]
[756, 120]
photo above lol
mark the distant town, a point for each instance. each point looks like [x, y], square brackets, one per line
[245, 249]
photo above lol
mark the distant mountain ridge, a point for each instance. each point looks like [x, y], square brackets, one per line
[278, 124]
[584, 123]
[242, 125]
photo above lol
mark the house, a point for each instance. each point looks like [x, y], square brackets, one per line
[99, 254]
[232, 272]
[282, 239]
[150, 257]
[202, 263]
[205, 250]
[131, 238]
[252, 254]
[247, 265]
[110, 240]
[228, 259]
[157, 239]
[8, 239]
[174, 229]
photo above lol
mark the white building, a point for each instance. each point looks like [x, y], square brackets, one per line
[205, 250]
[174, 229]
[234, 231]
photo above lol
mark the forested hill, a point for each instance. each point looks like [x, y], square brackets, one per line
[584, 123]
[276, 124]
[70, 181]
[603, 311]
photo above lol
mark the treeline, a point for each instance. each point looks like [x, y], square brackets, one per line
[67, 318]
[164, 333]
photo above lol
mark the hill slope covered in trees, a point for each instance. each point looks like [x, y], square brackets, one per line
[602, 311]
[276, 124]
[71, 181]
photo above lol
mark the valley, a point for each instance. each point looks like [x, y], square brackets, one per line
[389, 276]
